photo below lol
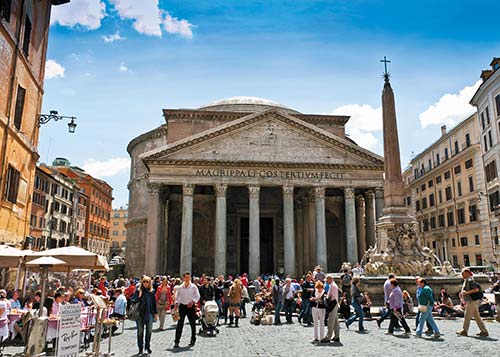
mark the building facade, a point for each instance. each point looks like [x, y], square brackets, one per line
[99, 195]
[487, 101]
[444, 186]
[56, 215]
[24, 26]
[119, 219]
[249, 185]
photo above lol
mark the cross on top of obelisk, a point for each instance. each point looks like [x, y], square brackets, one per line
[386, 74]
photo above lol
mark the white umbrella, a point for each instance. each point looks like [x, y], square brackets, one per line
[75, 257]
[9, 257]
[46, 261]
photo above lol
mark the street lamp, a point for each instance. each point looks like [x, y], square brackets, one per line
[54, 115]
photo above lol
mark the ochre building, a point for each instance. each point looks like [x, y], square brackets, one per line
[249, 185]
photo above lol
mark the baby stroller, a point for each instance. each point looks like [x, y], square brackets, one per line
[209, 318]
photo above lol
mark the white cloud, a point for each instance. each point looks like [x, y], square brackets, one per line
[109, 168]
[123, 67]
[364, 120]
[450, 109]
[86, 14]
[145, 13]
[53, 70]
[112, 38]
[175, 26]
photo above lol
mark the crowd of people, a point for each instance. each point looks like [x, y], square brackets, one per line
[316, 299]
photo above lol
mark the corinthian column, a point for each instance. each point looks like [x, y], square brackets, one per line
[321, 255]
[370, 219]
[220, 230]
[187, 229]
[360, 225]
[254, 232]
[350, 225]
[379, 203]
[288, 230]
[153, 231]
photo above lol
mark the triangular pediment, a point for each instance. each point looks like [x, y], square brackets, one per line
[267, 137]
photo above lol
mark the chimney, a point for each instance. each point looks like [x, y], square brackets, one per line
[443, 130]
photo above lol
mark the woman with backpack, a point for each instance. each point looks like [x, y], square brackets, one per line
[471, 294]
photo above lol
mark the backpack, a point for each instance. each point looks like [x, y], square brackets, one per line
[479, 295]
[346, 280]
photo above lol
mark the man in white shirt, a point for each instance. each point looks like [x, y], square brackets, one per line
[333, 315]
[186, 297]
[288, 295]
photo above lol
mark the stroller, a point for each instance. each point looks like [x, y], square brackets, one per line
[210, 318]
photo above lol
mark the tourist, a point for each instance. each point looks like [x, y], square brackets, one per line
[367, 306]
[148, 312]
[318, 274]
[4, 321]
[396, 306]
[332, 310]
[207, 291]
[471, 294]
[14, 301]
[345, 307]
[358, 300]
[307, 291]
[79, 298]
[425, 305]
[407, 303]
[387, 291]
[218, 297]
[346, 282]
[417, 318]
[186, 297]
[235, 294]
[277, 294]
[257, 286]
[357, 270]
[103, 286]
[318, 304]
[288, 297]
[245, 298]
[163, 298]
[445, 307]
[225, 306]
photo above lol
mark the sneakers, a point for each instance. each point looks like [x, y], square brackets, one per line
[483, 334]
[462, 333]
[436, 335]
[429, 332]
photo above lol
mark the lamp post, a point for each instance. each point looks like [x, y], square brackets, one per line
[54, 115]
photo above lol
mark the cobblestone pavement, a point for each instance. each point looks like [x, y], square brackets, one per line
[296, 340]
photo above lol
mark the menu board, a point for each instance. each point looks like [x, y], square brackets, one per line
[69, 331]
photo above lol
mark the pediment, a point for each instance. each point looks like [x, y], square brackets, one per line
[270, 137]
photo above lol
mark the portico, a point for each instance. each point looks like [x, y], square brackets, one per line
[267, 192]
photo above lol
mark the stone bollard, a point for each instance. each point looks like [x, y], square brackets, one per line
[497, 301]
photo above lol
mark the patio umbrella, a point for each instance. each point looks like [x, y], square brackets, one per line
[75, 257]
[46, 261]
[9, 257]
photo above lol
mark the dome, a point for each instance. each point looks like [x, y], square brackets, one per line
[245, 104]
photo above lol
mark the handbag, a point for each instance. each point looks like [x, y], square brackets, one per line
[134, 313]
[422, 308]
[175, 314]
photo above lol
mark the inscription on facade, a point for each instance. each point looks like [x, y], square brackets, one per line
[287, 174]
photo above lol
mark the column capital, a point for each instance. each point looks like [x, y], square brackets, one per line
[220, 190]
[369, 195]
[154, 187]
[359, 200]
[319, 192]
[188, 189]
[254, 191]
[349, 192]
[379, 192]
[287, 191]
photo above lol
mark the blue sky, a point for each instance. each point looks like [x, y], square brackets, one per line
[115, 64]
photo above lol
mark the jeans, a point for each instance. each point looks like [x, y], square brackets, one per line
[305, 313]
[427, 317]
[277, 309]
[395, 320]
[140, 333]
[288, 309]
[359, 314]
[190, 312]
[417, 320]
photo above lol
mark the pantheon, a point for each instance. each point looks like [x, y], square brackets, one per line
[249, 185]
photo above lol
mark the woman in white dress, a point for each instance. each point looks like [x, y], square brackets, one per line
[4, 321]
